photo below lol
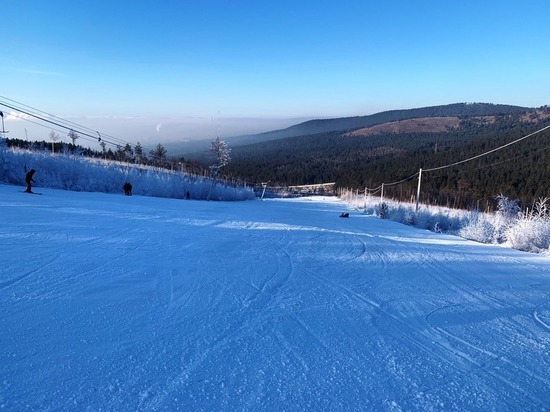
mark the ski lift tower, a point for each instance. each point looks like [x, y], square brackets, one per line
[4, 131]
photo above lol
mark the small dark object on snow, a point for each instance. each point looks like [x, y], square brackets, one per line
[188, 195]
[344, 215]
[127, 189]
[29, 179]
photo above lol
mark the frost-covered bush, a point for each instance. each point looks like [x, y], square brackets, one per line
[509, 226]
[530, 234]
[3, 159]
[507, 215]
[439, 219]
[478, 228]
[430, 218]
[541, 208]
[507, 208]
[77, 173]
[395, 212]
[409, 216]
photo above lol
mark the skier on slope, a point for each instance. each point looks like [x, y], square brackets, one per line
[29, 179]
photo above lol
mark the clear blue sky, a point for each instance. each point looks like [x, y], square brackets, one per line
[174, 60]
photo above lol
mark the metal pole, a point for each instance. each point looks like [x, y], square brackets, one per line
[382, 193]
[418, 189]
[3, 129]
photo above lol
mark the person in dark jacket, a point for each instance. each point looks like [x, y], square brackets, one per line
[127, 189]
[29, 179]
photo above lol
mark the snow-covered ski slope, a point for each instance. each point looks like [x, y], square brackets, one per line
[122, 303]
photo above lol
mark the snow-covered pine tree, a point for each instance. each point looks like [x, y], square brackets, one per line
[138, 151]
[219, 151]
[158, 155]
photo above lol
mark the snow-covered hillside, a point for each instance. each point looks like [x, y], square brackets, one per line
[122, 303]
[83, 174]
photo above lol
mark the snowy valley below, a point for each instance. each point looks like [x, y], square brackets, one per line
[111, 302]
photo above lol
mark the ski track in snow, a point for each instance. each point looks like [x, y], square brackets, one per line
[542, 320]
[132, 303]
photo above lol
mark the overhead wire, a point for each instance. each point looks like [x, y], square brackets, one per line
[488, 152]
[374, 190]
[31, 108]
[402, 180]
[36, 123]
[469, 159]
[55, 123]
[69, 125]
[492, 164]
[70, 122]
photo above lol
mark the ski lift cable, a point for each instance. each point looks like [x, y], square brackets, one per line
[115, 141]
[34, 112]
[81, 134]
[54, 129]
[29, 108]
[71, 127]
[39, 124]
[48, 120]
[36, 123]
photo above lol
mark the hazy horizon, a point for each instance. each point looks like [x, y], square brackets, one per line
[151, 131]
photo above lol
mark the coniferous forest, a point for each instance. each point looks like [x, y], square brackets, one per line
[520, 171]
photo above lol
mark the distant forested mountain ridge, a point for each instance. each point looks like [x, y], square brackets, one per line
[368, 151]
[357, 122]
[344, 124]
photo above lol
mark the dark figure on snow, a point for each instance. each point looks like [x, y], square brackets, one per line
[29, 179]
[127, 189]
[188, 195]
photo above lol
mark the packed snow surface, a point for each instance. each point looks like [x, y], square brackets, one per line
[119, 303]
